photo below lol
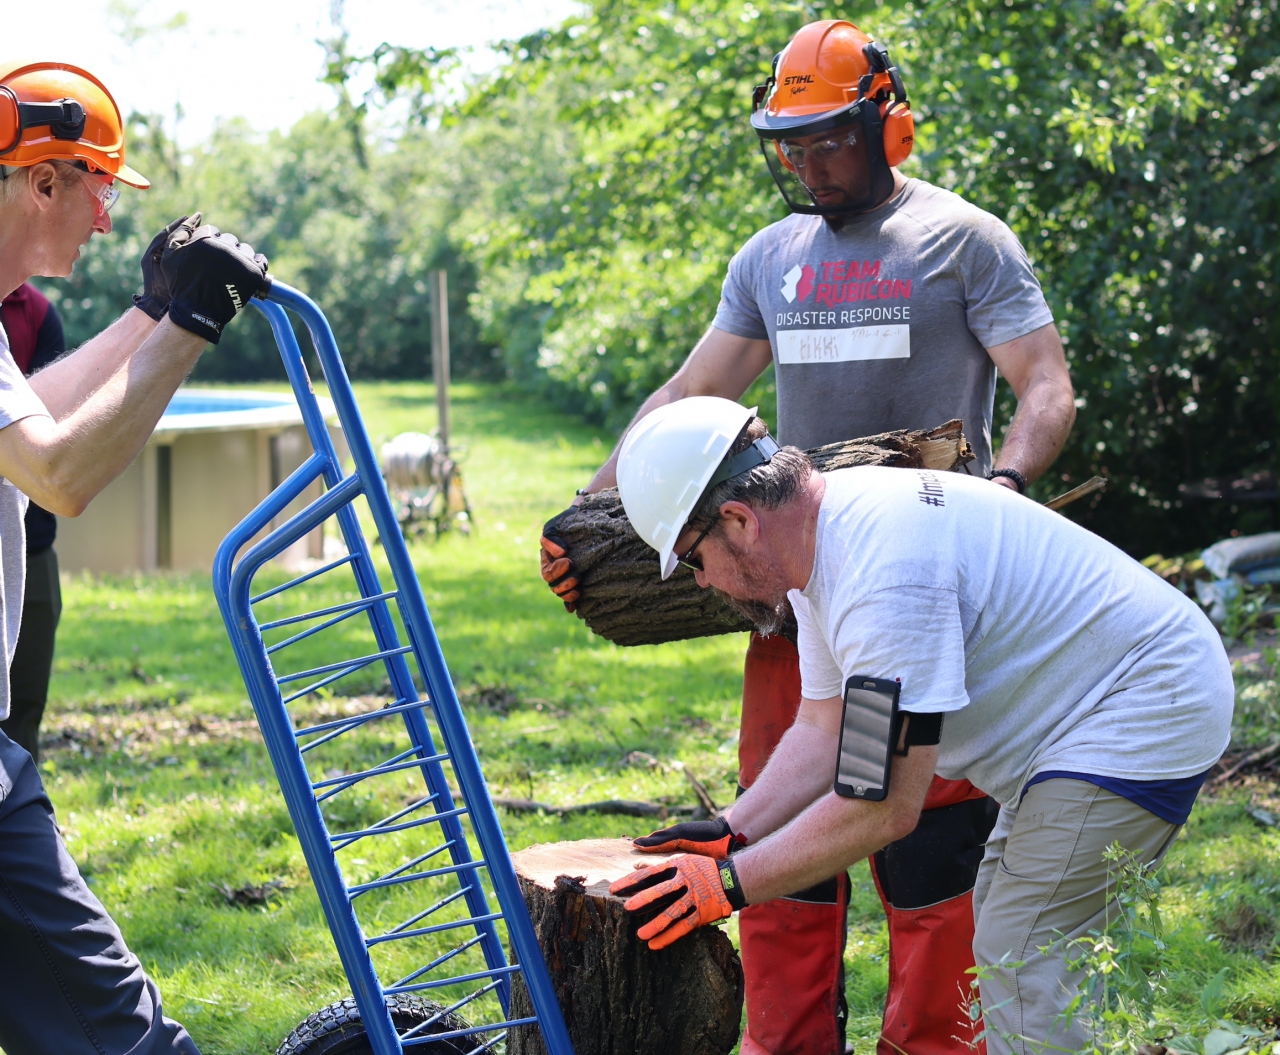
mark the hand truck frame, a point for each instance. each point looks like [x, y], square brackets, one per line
[414, 706]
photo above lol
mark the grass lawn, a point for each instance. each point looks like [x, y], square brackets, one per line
[164, 790]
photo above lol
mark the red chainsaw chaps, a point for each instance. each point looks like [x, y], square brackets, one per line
[926, 1007]
[791, 957]
[770, 702]
[792, 950]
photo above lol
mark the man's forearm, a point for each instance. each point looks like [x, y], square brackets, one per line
[1039, 429]
[65, 384]
[607, 474]
[824, 840]
[801, 769]
[721, 364]
[834, 832]
[62, 465]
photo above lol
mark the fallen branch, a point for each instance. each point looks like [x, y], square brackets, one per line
[625, 807]
[699, 789]
[249, 894]
[1264, 754]
[1096, 483]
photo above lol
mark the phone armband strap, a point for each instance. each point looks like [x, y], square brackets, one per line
[924, 729]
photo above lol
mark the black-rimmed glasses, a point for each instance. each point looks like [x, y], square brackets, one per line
[689, 560]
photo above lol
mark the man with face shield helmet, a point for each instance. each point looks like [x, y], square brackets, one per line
[834, 121]
[883, 303]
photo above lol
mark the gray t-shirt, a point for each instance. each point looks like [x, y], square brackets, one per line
[885, 323]
[16, 401]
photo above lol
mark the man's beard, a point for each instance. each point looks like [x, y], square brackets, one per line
[768, 616]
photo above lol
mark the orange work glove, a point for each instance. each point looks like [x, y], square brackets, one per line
[680, 896]
[707, 838]
[557, 572]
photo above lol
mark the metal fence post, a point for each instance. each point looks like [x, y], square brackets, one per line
[439, 282]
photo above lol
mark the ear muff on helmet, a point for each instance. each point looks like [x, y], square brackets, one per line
[830, 75]
[895, 115]
[10, 120]
[65, 119]
[899, 132]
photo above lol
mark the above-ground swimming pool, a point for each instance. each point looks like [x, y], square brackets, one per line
[214, 455]
[201, 408]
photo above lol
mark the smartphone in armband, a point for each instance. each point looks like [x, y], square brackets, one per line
[866, 738]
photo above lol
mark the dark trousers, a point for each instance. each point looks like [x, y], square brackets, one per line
[68, 984]
[33, 658]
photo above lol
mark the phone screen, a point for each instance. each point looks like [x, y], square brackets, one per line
[870, 706]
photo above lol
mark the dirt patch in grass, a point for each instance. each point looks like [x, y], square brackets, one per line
[140, 733]
[1243, 928]
[133, 728]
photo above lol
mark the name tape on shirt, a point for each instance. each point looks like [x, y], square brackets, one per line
[844, 346]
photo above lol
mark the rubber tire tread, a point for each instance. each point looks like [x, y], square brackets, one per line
[337, 1029]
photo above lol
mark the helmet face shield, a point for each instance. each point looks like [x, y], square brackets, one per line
[837, 171]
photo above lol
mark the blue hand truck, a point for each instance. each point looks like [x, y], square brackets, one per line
[420, 910]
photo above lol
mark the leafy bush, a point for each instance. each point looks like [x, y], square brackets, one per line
[1131, 145]
[358, 238]
[588, 195]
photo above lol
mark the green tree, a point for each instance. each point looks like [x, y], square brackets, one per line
[1132, 147]
[1130, 144]
[358, 238]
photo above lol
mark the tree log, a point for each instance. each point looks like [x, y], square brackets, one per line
[618, 996]
[624, 601]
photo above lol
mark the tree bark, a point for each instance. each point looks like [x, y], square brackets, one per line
[618, 996]
[623, 599]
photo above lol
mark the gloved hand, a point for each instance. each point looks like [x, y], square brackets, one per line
[557, 571]
[154, 298]
[211, 276]
[707, 838]
[686, 893]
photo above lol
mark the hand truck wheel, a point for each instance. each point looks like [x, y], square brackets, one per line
[339, 1030]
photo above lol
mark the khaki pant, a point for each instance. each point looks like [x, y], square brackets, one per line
[1043, 878]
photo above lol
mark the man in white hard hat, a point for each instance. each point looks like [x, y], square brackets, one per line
[937, 633]
[883, 303]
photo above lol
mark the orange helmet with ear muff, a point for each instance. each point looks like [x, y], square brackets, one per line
[833, 78]
[53, 111]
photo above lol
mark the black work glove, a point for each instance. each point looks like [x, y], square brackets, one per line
[154, 298]
[708, 838]
[211, 276]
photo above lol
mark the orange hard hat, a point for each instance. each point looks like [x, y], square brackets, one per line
[53, 111]
[832, 75]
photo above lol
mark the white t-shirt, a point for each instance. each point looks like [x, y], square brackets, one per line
[1049, 648]
[17, 400]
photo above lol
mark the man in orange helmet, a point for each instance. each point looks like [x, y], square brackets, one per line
[883, 303]
[68, 983]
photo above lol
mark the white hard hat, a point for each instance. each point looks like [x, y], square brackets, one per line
[667, 461]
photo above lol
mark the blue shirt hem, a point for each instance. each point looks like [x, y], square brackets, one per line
[1170, 800]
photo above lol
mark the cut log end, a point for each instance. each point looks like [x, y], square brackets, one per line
[618, 996]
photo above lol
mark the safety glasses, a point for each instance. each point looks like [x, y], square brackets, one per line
[823, 149]
[101, 186]
[689, 560]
